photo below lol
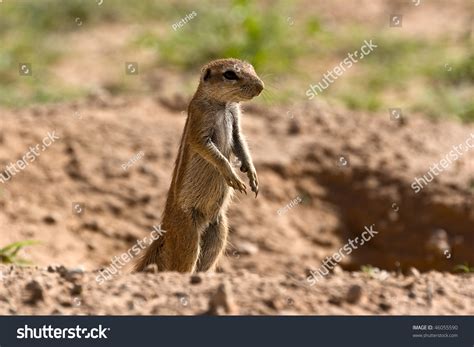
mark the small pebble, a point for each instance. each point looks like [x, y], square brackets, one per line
[195, 279]
[49, 219]
[152, 268]
[33, 293]
[76, 289]
[385, 306]
[354, 294]
[335, 300]
[246, 248]
[414, 272]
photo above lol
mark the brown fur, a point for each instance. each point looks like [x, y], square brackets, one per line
[195, 214]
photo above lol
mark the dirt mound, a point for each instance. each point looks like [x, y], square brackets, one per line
[372, 171]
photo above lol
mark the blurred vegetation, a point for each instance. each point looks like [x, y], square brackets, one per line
[30, 31]
[289, 46]
[241, 30]
[9, 254]
[464, 268]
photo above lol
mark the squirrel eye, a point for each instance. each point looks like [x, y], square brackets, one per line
[230, 75]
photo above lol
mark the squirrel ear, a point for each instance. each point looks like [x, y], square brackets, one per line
[207, 74]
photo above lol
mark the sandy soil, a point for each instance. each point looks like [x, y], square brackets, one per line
[70, 291]
[344, 170]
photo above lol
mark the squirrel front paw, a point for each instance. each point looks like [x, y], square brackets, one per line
[252, 175]
[235, 182]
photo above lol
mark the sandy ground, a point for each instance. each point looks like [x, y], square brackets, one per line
[325, 175]
[70, 291]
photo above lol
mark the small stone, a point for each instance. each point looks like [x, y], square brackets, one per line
[195, 279]
[34, 293]
[152, 269]
[246, 248]
[222, 301]
[77, 270]
[70, 275]
[61, 269]
[335, 300]
[337, 270]
[272, 303]
[294, 127]
[414, 272]
[50, 219]
[65, 303]
[354, 294]
[385, 306]
[76, 289]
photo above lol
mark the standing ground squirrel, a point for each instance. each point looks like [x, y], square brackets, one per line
[195, 214]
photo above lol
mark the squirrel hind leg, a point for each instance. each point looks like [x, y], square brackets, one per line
[150, 256]
[213, 243]
[178, 249]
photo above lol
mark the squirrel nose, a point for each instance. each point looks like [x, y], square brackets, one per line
[259, 86]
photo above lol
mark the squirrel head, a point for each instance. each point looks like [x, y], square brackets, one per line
[230, 80]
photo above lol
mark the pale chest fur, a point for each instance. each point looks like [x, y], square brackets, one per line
[222, 131]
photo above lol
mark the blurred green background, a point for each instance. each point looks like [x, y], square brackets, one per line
[291, 44]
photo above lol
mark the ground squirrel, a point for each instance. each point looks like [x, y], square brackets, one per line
[195, 213]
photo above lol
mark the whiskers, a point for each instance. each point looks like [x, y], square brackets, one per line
[270, 92]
